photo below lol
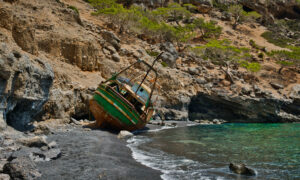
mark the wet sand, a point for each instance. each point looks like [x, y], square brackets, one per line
[93, 154]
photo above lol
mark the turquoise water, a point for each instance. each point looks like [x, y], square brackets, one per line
[205, 151]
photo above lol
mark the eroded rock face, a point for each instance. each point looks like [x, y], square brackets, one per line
[170, 54]
[24, 35]
[64, 104]
[243, 109]
[279, 8]
[270, 9]
[24, 86]
[6, 18]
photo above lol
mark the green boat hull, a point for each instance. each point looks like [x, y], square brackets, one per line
[111, 110]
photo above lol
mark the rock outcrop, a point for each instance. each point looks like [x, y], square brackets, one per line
[270, 9]
[22, 168]
[24, 86]
[278, 9]
[243, 109]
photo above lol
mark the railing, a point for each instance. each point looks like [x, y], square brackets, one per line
[124, 99]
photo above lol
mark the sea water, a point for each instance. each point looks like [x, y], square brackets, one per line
[205, 151]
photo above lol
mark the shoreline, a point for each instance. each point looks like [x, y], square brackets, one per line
[93, 154]
[84, 149]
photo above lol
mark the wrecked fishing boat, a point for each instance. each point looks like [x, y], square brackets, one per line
[124, 101]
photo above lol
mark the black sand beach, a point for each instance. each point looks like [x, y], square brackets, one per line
[93, 154]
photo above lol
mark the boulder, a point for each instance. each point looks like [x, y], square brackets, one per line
[52, 144]
[45, 153]
[201, 81]
[48, 155]
[22, 168]
[295, 92]
[66, 104]
[111, 49]
[241, 169]
[276, 85]
[116, 57]
[41, 130]
[193, 71]
[111, 38]
[4, 177]
[170, 54]
[124, 134]
[52, 154]
[36, 141]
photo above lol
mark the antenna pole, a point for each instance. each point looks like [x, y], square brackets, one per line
[157, 58]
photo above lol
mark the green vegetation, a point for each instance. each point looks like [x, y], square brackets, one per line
[152, 53]
[207, 29]
[257, 47]
[286, 58]
[250, 66]
[278, 41]
[163, 23]
[164, 64]
[173, 12]
[74, 9]
[220, 6]
[222, 52]
[240, 15]
[278, 36]
[283, 32]
[190, 7]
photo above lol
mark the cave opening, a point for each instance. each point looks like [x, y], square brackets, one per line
[19, 117]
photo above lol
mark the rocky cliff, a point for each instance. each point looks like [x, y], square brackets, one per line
[270, 9]
[52, 57]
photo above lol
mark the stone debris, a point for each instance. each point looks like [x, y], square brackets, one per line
[124, 134]
[4, 177]
[36, 141]
[22, 168]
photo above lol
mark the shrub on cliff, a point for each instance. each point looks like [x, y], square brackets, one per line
[190, 7]
[207, 29]
[74, 9]
[173, 12]
[240, 16]
[250, 66]
[156, 24]
[285, 33]
[222, 53]
[286, 58]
